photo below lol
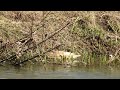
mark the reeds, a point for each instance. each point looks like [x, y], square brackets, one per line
[94, 35]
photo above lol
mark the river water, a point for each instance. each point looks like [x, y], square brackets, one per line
[37, 71]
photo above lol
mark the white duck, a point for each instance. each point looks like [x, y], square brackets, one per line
[62, 54]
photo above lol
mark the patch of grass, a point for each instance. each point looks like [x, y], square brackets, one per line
[94, 35]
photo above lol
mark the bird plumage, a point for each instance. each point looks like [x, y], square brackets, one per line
[61, 54]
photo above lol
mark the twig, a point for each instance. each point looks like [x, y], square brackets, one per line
[37, 55]
[48, 37]
[38, 43]
[43, 20]
[32, 31]
[8, 58]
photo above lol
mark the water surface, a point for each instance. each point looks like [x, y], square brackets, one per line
[37, 71]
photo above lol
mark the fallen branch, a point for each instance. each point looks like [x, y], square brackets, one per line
[39, 43]
[37, 55]
[48, 37]
[11, 57]
[26, 37]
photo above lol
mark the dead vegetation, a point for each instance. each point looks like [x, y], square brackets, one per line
[29, 35]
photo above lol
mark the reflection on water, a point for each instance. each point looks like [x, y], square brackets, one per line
[58, 72]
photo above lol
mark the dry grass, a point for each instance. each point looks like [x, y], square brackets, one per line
[93, 34]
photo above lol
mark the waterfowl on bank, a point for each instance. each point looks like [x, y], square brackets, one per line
[62, 54]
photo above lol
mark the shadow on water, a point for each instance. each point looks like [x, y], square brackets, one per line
[49, 71]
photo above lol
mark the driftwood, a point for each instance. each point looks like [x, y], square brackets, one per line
[35, 56]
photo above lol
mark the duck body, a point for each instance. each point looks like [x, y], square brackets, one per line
[62, 54]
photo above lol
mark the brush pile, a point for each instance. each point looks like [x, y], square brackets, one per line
[28, 35]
